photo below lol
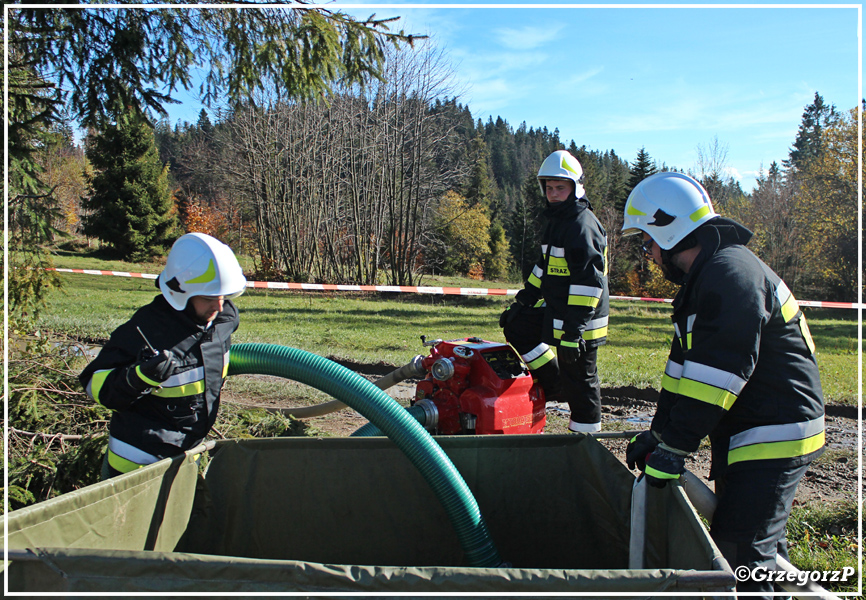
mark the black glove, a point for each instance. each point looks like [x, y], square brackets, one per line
[151, 372]
[638, 448]
[569, 353]
[509, 314]
[663, 465]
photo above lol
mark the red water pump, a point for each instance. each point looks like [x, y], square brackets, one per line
[478, 387]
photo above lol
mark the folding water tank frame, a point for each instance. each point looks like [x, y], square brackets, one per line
[355, 515]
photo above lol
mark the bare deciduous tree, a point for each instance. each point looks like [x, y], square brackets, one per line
[344, 191]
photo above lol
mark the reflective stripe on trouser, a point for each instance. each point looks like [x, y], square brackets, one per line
[524, 334]
[125, 457]
[578, 385]
[582, 389]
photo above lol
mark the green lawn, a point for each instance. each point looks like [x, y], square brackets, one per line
[374, 328]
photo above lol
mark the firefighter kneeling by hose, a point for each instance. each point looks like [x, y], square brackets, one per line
[741, 370]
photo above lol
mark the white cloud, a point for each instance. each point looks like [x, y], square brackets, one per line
[527, 37]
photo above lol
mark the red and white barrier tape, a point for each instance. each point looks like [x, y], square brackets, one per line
[458, 291]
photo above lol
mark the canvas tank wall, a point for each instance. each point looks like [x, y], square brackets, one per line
[354, 515]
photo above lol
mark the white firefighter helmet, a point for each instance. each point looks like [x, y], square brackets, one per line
[561, 165]
[200, 265]
[668, 207]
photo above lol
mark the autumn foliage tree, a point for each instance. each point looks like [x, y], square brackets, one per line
[463, 236]
[827, 210]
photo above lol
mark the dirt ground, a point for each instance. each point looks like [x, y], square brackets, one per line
[832, 477]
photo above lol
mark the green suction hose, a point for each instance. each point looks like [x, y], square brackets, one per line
[392, 419]
[370, 429]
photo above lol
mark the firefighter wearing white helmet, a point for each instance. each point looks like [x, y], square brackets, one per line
[200, 265]
[559, 318]
[161, 372]
[741, 371]
[562, 165]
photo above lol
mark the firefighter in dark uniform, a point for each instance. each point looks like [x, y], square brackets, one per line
[162, 371]
[741, 370]
[559, 318]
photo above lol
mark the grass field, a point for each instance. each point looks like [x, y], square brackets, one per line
[373, 328]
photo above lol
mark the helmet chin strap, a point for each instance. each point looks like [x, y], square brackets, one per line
[672, 272]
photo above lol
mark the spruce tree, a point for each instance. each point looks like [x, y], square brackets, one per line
[133, 209]
[643, 167]
[817, 117]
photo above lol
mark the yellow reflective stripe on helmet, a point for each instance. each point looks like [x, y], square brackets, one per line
[208, 275]
[631, 210]
[660, 474]
[564, 164]
[771, 450]
[190, 389]
[700, 213]
[94, 386]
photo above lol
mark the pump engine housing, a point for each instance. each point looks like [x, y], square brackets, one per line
[479, 387]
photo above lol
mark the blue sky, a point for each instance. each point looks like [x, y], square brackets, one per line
[621, 78]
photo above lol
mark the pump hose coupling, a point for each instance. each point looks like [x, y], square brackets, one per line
[442, 369]
[431, 413]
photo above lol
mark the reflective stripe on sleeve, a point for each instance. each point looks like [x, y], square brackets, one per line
[534, 278]
[596, 329]
[671, 377]
[558, 325]
[538, 356]
[660, 474]
[787, 440]
[126, 457]
[226, 359]
[188, 383]
[807, 335]
[94, 386]
[583, 295]
[790, 308]
[709, 384]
